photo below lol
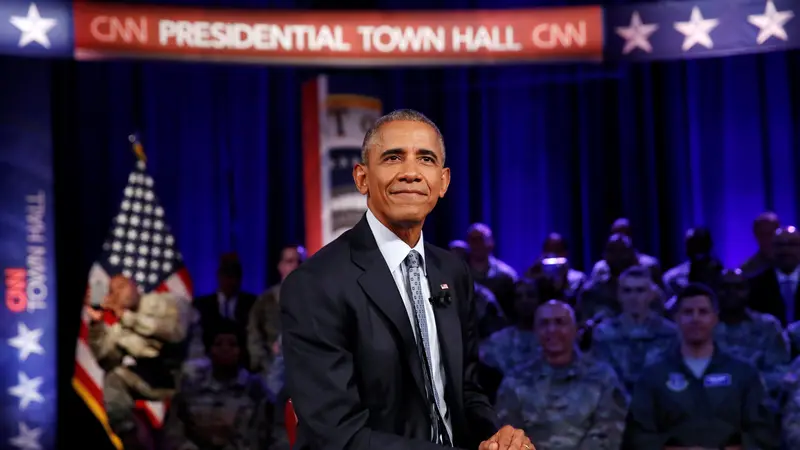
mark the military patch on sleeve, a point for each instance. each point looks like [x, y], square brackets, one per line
[676, 382]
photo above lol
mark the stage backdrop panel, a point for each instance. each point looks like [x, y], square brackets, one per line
[28, 378]
[337, 112]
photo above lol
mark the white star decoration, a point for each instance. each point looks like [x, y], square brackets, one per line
[27, 439]
[141, 243]
[637, 34]
[33, 27]
[27, 341]
[696, 30]
[770, 24]
[27, 390]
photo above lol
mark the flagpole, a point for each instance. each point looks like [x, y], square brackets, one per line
[137, 147]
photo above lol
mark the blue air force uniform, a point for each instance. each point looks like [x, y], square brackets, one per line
[724, 405]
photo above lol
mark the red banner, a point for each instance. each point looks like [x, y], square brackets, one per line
[339, 38]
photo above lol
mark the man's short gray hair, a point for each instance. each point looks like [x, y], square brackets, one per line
[398, 115]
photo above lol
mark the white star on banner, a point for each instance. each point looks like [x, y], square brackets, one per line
[27, 439]
[771, 23]
[34, 28]
[27, 390]
[696, 30]
[27, 341]
[637, 34]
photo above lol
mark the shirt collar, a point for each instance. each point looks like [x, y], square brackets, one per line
[221, 297]
[794, 277]
[393, 249]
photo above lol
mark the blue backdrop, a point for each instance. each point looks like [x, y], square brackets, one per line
[532, 149]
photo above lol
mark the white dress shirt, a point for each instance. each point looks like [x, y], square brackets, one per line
[227, 307]
[394, 252]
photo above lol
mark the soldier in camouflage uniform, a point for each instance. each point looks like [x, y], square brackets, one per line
[793, 336]
[598, 299]
[141, 353]
[226, 408]
[790, 413]
[264, 325]
[750, 335]
[516, 344]
[564, 400]
[638, 334]
[488, 311]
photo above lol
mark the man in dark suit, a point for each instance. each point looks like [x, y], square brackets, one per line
[229, 302]
[379, 334]
[774, 290]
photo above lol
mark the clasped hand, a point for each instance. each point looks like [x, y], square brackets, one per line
[508, 438]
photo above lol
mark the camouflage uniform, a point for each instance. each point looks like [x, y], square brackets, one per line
[263, 329]
[275, 374]
[597, 300]
[141, 355]
[759, 340]
[791, 408]
[509, 348]
[490, 314]
[793, 336]
[628, 346]
[209, 414]
[578, 407]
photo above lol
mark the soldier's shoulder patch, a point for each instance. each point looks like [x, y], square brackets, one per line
[677, 382]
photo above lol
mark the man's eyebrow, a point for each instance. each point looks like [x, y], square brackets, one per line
[400, 151]
[428, 153]
[392, 152]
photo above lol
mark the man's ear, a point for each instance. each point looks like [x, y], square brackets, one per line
[445, 182]
[360, 178]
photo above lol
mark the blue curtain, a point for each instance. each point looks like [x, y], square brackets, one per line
[533, 149]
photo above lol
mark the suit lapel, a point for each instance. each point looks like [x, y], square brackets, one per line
[448, 322]
[381, 289]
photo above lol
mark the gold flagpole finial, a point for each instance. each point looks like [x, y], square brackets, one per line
[138, 149]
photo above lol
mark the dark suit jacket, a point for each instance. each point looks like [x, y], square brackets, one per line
[352, 368]
[765, 295]
[208, 307]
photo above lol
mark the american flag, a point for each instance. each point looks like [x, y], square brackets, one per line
[141, 247]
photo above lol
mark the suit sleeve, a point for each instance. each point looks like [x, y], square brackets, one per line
[641, 429]
[320, 376]
[480, 415]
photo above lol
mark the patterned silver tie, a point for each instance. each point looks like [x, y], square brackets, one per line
[414, 271]
[439, 433]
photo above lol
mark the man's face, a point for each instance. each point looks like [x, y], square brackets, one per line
[635, 295]
[787, 250]
[229, 283]
[404, 175]
[290, 260]
[733, 292]
[555, 328]
[122, 294]
[765, 233]
[225, 351]
[696, 319]
[554, 245]
[526, 300]
[698, 246]
[480, 243]
[621, 226]
[619, 256]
